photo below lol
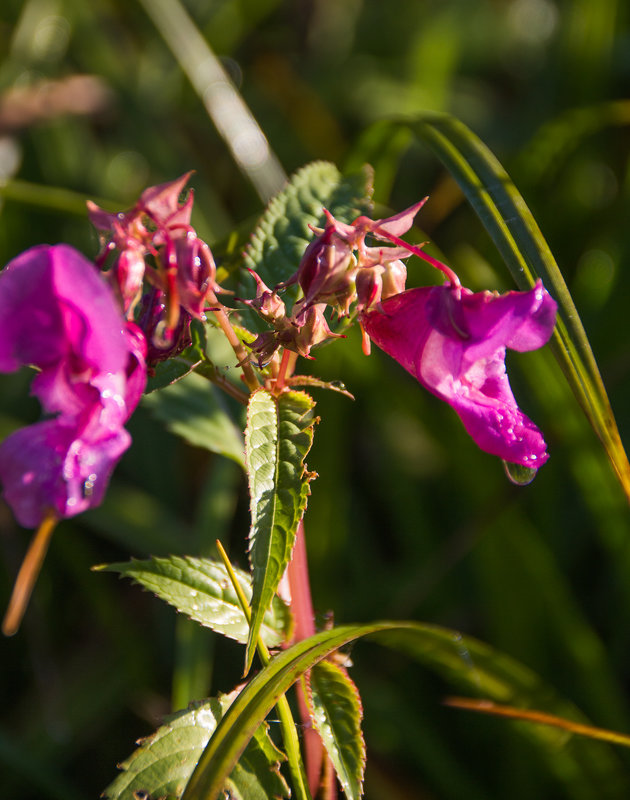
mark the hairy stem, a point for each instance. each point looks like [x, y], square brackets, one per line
[287, 365]
[304, 621]
[241, 353]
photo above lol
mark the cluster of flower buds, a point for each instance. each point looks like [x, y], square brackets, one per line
[450, 339]
[338, 270]
[155, 240]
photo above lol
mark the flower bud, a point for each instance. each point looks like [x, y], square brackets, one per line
[267, 304]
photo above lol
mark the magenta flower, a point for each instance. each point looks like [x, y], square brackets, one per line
[181, 264]
[454, 341]
[58, 315]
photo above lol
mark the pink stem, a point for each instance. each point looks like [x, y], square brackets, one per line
[286, 369]
[452, 277]
[304, 620]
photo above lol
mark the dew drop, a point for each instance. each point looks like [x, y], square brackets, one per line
[88, 485]
[519, 474]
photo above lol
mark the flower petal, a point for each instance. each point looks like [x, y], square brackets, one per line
[453, 342]
[49, 298]
[58, 314]
[48, 466]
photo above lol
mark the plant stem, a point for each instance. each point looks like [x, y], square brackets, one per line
[417, 251]
[207, 370]
[287, 365]
[287, 725]
[243, 356]
[304, 621]
[27, 575]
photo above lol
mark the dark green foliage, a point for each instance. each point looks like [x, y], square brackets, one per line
[407, 519]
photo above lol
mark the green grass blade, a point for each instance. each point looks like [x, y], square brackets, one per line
[256, 700]
[163, 762]
[509, 222]
[584, 767]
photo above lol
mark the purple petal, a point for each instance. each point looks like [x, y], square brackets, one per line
[162, 201]
[399, 223]
[453, 342]
[46, 467]
[49, 297]
[136, 366]
[58, 314]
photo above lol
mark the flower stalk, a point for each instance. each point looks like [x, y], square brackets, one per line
[28, 574]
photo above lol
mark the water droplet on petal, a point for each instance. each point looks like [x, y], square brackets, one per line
[519, 474]
[88, 485]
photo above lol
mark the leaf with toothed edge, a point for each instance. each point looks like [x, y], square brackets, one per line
[283, 234]
[164, 761]
[278, 437]
[336, 710]
[201, 589]
[463, 660]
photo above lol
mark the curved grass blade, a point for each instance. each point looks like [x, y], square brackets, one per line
[256, 700]
[279, 434]
[588, 769]
[539, 718]
[509, 222]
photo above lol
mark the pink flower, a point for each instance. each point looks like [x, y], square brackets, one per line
[57, 314]
[159, 226]
[454, 341]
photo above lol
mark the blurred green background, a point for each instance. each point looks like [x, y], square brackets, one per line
[407, 518]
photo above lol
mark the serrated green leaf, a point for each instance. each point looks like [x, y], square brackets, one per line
[201, 589]
[278, 437]
[518, 238]
[586, 765]
[162, 765]
[283, 234]
[193, 409]
[336, 710]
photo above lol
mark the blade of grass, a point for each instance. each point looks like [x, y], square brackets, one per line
[518, 238]
[225, 106]
[289, 731]
[538, 717]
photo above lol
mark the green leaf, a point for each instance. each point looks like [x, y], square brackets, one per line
[318, 383]
[201, 589]
[283, 234]
[162, 765]
[586, 764]
[509, 222]
[337, 712]
[279, 434]
[174, 369]
[193, 409]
